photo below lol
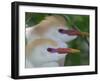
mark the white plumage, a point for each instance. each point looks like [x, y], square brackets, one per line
[41, 57]
[43, 36]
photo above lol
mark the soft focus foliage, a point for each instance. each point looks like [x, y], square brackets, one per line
[82, 23]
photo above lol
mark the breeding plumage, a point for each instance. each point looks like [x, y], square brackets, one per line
[46, 42]
[47, 52]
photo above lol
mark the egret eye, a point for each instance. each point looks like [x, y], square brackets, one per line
[62, 31]
[52, 50]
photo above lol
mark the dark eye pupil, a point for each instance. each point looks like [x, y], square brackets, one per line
[60, 30]
[51, 50]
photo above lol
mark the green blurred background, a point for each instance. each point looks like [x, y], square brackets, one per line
[81, 22]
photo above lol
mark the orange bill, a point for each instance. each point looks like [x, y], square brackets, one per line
[63, 50]
[73, 32]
